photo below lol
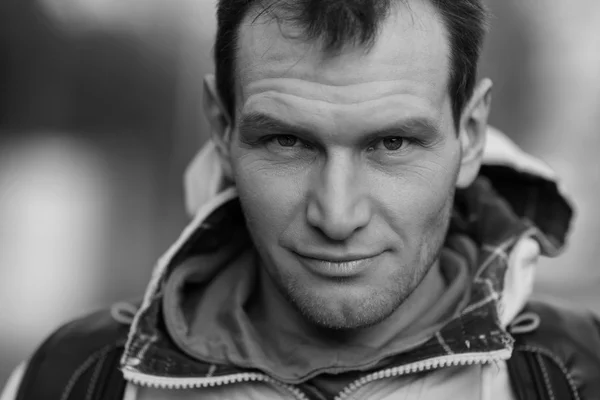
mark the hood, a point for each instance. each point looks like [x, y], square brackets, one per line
[525, 216]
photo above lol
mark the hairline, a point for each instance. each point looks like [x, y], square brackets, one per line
[452, 58]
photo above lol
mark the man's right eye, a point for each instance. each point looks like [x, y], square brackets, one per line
[287, 146]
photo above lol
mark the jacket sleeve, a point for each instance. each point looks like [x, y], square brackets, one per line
[12, 385]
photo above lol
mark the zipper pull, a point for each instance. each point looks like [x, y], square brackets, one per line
[123, 312]
[524, 323]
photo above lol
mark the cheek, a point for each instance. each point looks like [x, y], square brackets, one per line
[417, 203]
[270, 200]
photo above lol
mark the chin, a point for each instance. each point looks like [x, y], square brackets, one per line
[340, 307]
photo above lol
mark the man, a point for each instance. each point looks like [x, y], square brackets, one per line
[346, 241]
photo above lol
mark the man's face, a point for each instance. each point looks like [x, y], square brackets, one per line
[346, 166]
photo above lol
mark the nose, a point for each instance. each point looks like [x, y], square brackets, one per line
[338, 203]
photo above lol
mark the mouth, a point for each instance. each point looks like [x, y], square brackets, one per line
[338, 266]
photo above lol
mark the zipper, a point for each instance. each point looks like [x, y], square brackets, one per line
[452, 360]
[159, 382]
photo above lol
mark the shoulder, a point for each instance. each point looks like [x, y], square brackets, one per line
[569, 338]
[94, 327]
[91, 334]
[565, 325]
[76, 356]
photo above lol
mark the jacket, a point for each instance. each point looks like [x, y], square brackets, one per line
[469, 351]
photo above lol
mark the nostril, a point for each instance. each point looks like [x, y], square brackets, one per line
[338, 221]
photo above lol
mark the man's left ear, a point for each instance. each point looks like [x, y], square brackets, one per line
[472, 131]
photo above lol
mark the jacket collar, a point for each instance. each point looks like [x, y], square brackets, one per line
[515, 231]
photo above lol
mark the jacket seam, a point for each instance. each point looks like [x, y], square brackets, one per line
[84, 366]
[545, 375]
[558, 362]
[95, 376]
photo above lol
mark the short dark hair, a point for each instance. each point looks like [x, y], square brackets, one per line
[338, 23]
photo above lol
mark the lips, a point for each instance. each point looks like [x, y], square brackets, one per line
[346, 266]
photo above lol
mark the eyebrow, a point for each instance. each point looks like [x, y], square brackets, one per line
[269, 125]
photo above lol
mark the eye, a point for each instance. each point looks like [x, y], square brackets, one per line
[287, 140]
[390, 143]
[286, 144]
[393, 143]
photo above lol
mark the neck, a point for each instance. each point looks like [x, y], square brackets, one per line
[281, 317]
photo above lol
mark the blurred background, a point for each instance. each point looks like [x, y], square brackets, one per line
[100, 112]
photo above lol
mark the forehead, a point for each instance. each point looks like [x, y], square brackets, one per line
[410, 57]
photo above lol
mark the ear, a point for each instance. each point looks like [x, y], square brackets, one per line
[472, 131]
[220, 122]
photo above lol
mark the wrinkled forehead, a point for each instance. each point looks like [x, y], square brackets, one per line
[411, 51]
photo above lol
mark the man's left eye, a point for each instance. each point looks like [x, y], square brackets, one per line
[392, 143]
[287, 140]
